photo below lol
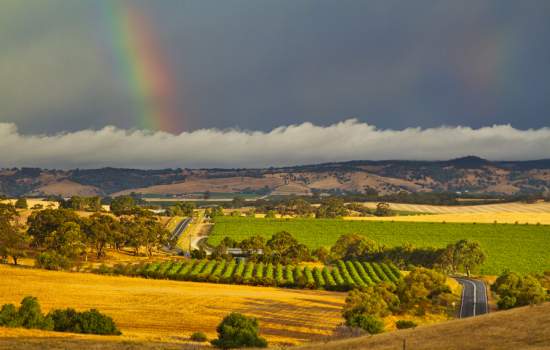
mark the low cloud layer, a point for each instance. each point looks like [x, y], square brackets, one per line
[289, 145]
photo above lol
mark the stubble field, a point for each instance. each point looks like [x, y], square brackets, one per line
[169, 311]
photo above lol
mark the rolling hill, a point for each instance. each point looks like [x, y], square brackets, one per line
[468, 174]
[523, 328]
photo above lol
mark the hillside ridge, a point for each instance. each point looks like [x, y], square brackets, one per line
[466, 174]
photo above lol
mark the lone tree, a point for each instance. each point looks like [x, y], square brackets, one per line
[353, 246]
[383, 209]
[13, 241]
[462, 256]
[239, 331]
[283, 247]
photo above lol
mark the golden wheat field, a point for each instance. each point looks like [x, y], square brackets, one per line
[513, 207]
[487, 218]
[168, 311]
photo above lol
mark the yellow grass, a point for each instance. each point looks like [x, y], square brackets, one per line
[173, 223]
[515, 207]
[33, 201]
[31, 339]
[499, 217]
[523, 328]
[159, 310]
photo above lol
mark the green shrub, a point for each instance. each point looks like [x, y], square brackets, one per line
[29, 315]
[239, 331]
[21, 203]
[88, 322]
[371, 324]
[404, 324]
[199, 337]
[104, 270]
[53, 261]
[515, 290]
[8, 316]
[506, 302]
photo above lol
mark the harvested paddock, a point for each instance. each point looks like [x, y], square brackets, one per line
[170, 311]
[513, 207]
[480, 218]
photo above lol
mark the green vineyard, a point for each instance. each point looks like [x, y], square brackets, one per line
[343, 276]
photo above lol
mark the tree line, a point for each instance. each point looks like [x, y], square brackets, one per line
[331, 207]
[63, 238]
[462, 256]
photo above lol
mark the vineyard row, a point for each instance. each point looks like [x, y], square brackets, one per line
[344, 275]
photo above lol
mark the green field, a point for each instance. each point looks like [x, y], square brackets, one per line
[520, 248]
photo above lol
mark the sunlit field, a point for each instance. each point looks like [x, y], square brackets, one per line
[160, 310]
[513, 207]
[481, 218]
[522, 248]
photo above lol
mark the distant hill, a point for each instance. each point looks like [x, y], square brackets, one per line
[469, 174]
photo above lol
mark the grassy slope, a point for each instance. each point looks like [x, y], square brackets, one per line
[170, 311]
[523, 328]
[522, 248]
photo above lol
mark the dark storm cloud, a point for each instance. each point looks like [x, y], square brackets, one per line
[261, 64]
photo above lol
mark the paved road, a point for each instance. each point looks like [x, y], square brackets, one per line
[180, 229]
[474, 298]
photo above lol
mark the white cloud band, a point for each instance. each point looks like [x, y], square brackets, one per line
[290, 145]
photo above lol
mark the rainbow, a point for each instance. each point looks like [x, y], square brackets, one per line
[141, 65]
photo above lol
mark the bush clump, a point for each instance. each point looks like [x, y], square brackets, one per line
[371, 324]
[88, 322]
[239, 331]
[515, 290]
[404, 324]
[29, 315]
[199, 337]
[53, 261]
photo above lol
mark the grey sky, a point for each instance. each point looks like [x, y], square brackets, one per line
[257, 65]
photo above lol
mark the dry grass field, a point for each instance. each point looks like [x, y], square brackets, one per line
[480, 218]
[504, 213]
[31, 202]
[169, 311]
[514, 207]
[522, 328]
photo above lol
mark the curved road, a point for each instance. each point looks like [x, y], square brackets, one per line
[174, 237]
[474, 298]
[180, 229]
